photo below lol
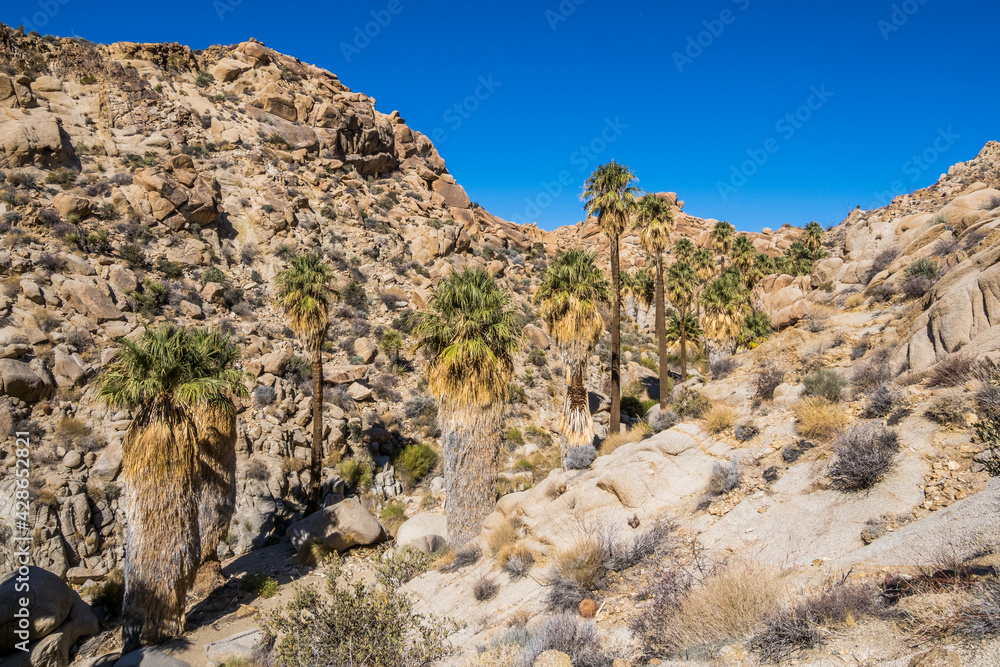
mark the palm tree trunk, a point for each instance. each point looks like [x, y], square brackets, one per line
[684, 355]
[470, 437]
[661, 332]
[316, 465]
[577, 423]
[216, 479]
[616, 343]
[162, 547]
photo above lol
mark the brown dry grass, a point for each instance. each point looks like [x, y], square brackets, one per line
[506, 533]
[637, 433]
[582, 563]
[729, 603]
[819, 418]
[934, 614]
[720, 418]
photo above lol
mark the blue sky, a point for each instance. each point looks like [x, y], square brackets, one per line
[756, 112]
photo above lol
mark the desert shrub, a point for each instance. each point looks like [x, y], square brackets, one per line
[720, 418]
[580, 458]
[357, 472]
[353, 626]
[22, 179]
[465, 557]
[880, 402]
[61, 176]
[915, 287]
[415, 462]
[169, 269]
[111, 594]
[650, 363]
[507, 532]
[204, 79]
[722, 367]
[485, 588]
[261, 585]
[948, 410]
[769, 378]
[134, 255]
[516, 394]
[817, 417]
[927, 268]
[631, 405]
[883, 293]
[873, 373]
[725, 477]
[691, 404]
[257, 469]
[354, 295]
[615, 440]
[746, 431]
[663, 420]
[864, 455]
[264, 395]
[952, 371]
[883, 260]
[784, 635]
[515, 560]
[825, 383]
[299, 368]
[567, 634]
[405, 565]
[575, 572]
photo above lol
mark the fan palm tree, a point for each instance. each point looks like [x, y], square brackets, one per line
[305, 296]
[167, 381]
[571, 291]
[812, 237]
[685, 251]
[682, 328]
[655, 222]
[681, 284]
[472, 335]
[216, 442]
[744, 254]
[610, 195]
[722, 240]
[630, 291]
[727, 304]
[703, 263]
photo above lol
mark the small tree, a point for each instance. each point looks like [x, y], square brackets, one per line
[391, 344]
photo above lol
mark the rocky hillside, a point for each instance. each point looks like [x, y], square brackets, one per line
[147, 183]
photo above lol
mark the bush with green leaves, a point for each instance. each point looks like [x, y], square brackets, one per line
[691, 404]
[350, 625]
[261, 585]
[825, 383]
[354, 295]
[415, 462]
[133, 255]
[630, 405]
[391, 345]
[357, 472]
[214, 274]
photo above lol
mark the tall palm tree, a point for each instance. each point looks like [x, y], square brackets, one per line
[305, 296]
[610, 195]
[812, 237]
[722, 240]
[727, 304]
[630, 290]
[216, 444]
[166, 381]
[682, 328]
[570, 293]
[472, 335]
[655, 222]
[703, 263]
[682, 284]
[744, 254]
[643, 289]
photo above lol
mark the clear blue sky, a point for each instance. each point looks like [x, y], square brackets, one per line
[887, 80]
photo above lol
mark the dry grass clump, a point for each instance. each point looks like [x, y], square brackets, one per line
[725, 477]
[767, 380]
[865, 454]
[485, 588]
[515, 560]
[637, 433]
[819, 418]
[952, 371]
[508, 532]
[720, 418]
[729, 603]
[949, 410]
[855, 300]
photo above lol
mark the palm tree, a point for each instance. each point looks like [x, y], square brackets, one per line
[655, 222]
[216, 442]
[744, 254]
[703, 263]
[167, 381]
[727, 305]
[812, 237]
[472, 336]
[610, 195]
[630, 290]
[682, 282]
[685, 251]
[304, 296]
[682, 327]
[571, 291]
[722, 240]
[643, 289]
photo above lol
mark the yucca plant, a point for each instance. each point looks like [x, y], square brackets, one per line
[610, 196]
[472, 336]
[305, 296]
[571, 291]
[170, 379]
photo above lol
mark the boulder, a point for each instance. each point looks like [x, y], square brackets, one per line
[229, 69]
[67, 370]
[241, 645]
[426, 532]
[35, 138]
[213, 293]
[782, 298]
[19, 380]
[537, 337]
[53, 649]
[68, 204]
[49, 603]
[366, 349]
[276, 362]
[90, 301]
[340, 527]
[359, 392]
[454, 194]
[343, 374]
[107, 465]
[149, 657]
